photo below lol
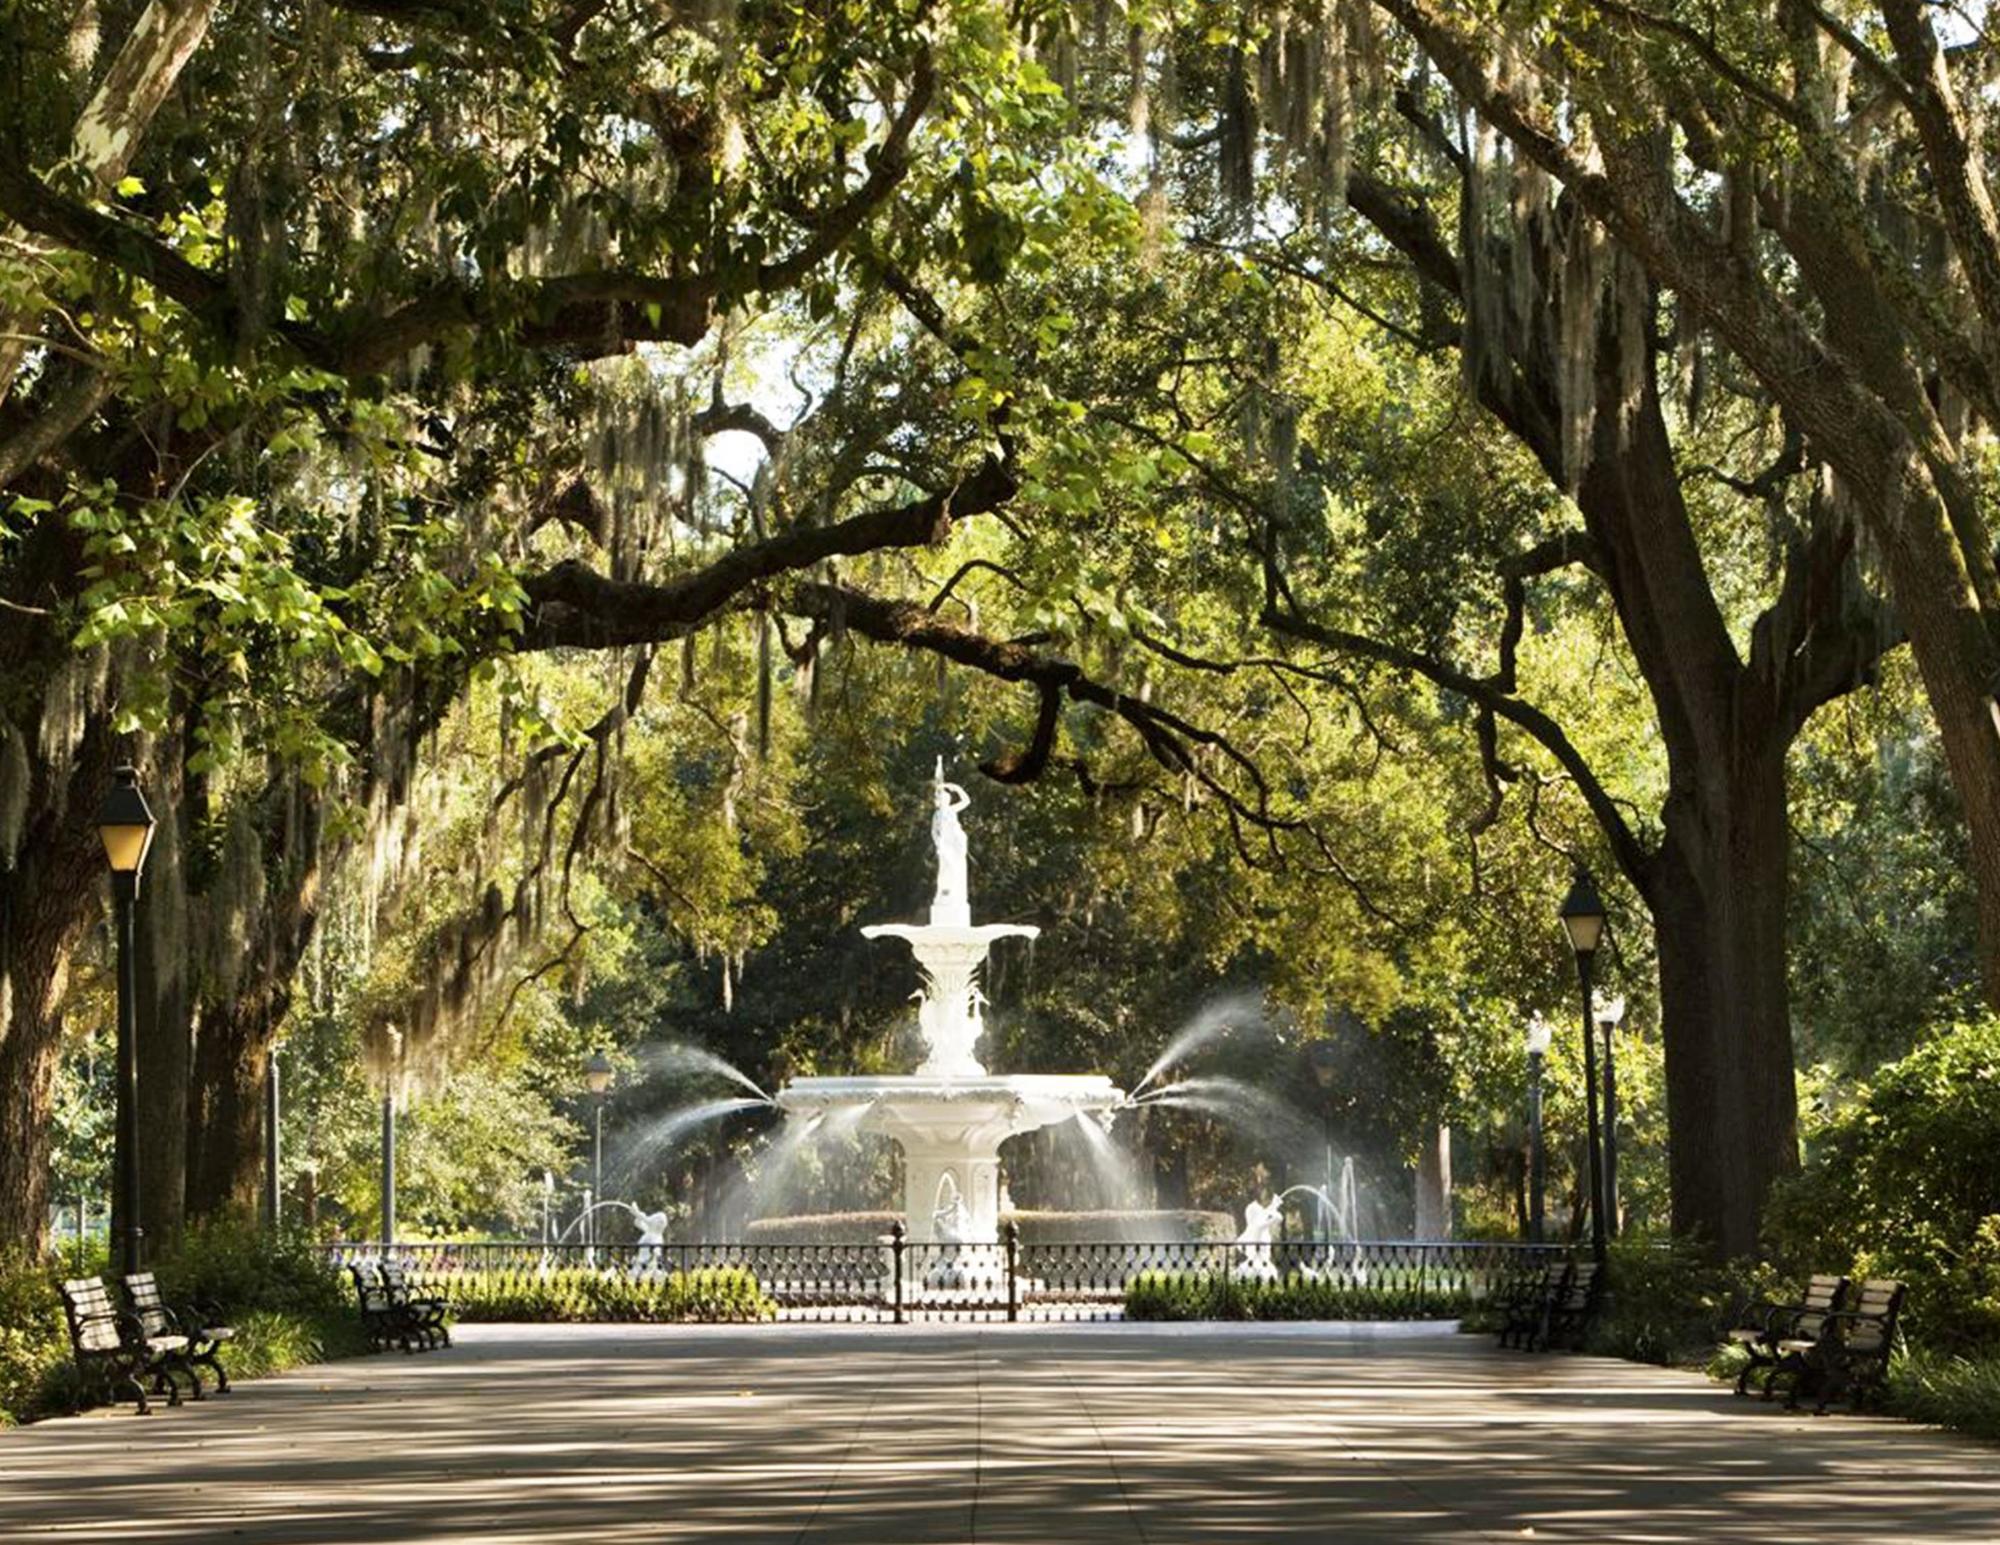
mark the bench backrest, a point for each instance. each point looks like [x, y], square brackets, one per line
[142, 1289]
[1582, 1283]
[1556, 1281]
[367, 1284]
[1824, 1295]
[395, 1282]
[1878, 1304]
[93, 1319]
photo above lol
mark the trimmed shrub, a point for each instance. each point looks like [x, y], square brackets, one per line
[822, 1228]
[1400, 1294]
[1668, 1303]
[1165, 1225]
[579, 1294]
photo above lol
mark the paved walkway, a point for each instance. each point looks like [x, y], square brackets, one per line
[875, 1435]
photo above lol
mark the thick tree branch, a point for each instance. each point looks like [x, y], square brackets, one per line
[573, 604]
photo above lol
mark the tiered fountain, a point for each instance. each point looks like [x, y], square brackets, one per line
[950, 1116]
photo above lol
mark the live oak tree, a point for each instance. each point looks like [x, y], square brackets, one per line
[302, 307]
[1567, 270]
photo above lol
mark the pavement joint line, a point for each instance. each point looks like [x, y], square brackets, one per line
[833, 1480]
[978, 1445]
[1131, 1506]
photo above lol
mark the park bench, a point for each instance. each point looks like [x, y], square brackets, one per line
[116, 1347]
[1567, 1316]
[1526, 1299]
[205, 1336]
[391, 1315]
[1766, 1323]
[1848, 1358]
[381, 1322]
[425, 1316]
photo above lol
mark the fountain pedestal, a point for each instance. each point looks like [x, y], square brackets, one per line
[951, 1128]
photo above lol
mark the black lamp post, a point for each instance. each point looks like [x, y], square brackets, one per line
[273, 1199]
[125, 825]
[1610, 1014]
[1540, 1033]
[1583, 921]
[390, 1079]
[597, 1076]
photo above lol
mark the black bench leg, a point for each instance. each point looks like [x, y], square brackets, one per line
[212, 1359]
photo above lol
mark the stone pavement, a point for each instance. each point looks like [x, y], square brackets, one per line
[943, 1435]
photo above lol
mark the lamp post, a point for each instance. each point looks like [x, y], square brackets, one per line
[1540, 1033]
[1325, 1059]
[273, 1201]
[1610, 1014]
[597, 1077]
[125, 826]
[1583, 921]
[389, 1082]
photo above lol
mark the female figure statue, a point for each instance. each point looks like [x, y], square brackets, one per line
[951, 901]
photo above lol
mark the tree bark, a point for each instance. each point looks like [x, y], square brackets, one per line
[164, 1009]
[1434, 1183]
[226, 1111]
[238, 1022]
[1718, 895]
[53, 891]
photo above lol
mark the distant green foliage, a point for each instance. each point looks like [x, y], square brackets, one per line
[1669, 1303]
[1905, 1182]
[1388, 1295]
[239, 1267]
[578, 1294]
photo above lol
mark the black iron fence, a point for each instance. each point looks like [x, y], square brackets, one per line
[900, 1280]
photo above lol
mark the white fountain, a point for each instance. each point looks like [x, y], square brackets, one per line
[951, 1116]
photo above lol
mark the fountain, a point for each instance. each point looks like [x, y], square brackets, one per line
[950, 1116]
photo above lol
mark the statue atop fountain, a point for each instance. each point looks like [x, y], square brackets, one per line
[951, 904]
[951, 1115]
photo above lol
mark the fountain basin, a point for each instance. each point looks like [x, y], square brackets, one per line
[950, 1130]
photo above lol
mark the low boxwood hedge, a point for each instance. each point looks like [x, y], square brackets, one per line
[1386, 1295]
[580, 1294]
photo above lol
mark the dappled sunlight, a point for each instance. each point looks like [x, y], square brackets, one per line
[946, 1434]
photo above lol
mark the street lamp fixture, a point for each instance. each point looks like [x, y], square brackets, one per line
[125, 826]
[1583, 920]
[598, 1074]
[1540, 1035]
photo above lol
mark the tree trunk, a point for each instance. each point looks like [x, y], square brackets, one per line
[47, 901]
[239, 1017]
[232, 1050]
[1434, 1183]
[1719, 898]
[165, 1044]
